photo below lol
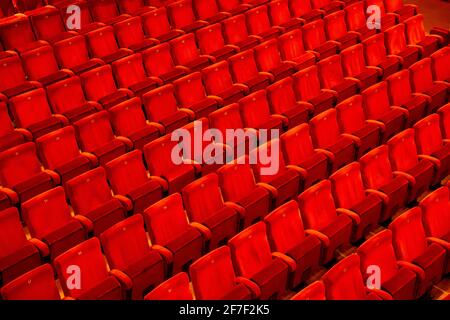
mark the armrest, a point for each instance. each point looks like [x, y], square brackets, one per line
[25, 133]
[268, 74]
[124, 201]
[327, 153]
[12, 195]
[53, 175]
[439, 242]
[273, 191]
[254, 36]
[357, 81]
[93, 159]
[380, 194]
[323, 238]
[282, 118]
[407, 176]
[124, 280]
[232, 46]
[439, 38]
[218, 99]
[41, 246]
[288, 260]
[416, 269]
[380, 293]
[402, 110]
[197, 166]
[164, 184]
[85, 222]
[164, 252]
[209, 57]
[254, 288]
[182, 68]
[61, 118]
[190, 113]
[379, 124]
[434, 160]
[128, 92]
[302, 172]
[333, 92]
[377, 69]
[127, 142]
[159, 126]
[426, 97]
[206, 233]
[242, 86]
[352, 215]
[402, 61]
[240, 210]
[356, 140]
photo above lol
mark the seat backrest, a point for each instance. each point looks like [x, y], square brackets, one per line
[375, 49]
[210, 38]
[403, 151]
[30, 108]
[66, 95]
[314, 34]
[102, 41]
[353, 61]
[399, 86]
[125, 243]
[335, 25]
[71, 52]
[162, 96]
[440, 60]
[324, 129]
[225, 118]
[85, 15]
[58, 148]
[421, 75]
[98, 82]
[129, 32]
[376, 168]
[307, 83]
[315, 291]
[129, 71]
[376, 100]
[47, 24]
[235, 29]
[444, 114]
[395, 39]
[39, 62]
[379, 251]
[355, 16]
[128, 117]
[158, 60]
[12, 237]
[436, 213]
[415, 30]
[156, 22]
[88, 191]
[175, 288]
[285, 227]
[279, 12]
[330, 71]
[317, 206]
[347, 185]
[258, 20]
[250, 250]
[291, 45]
[205, 8]
[428, 135]
[94, 131]
[203, 198]
[6, 125]
[268, 162]
[378, 3]
[344, 280]
[11, 27]
[127, 172]
[18, 164]
[236, 180]
[46, 212]
[11, 73]
[255, 109]
[393, 5]
[104, 10]
[213, 275]
[87, 256]
[350, 114]
[131, 6]
[408, 235]
[267, 55]
[300, 8]
[189, 90]
[296, 144]
[37, 284]
[243, 66]
[166, 220]
[181, 13]
[184, 49]
[217, 78]
[281, 95]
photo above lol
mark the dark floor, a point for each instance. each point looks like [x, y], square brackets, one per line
[436, 12]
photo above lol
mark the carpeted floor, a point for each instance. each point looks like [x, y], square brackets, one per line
[436, 12]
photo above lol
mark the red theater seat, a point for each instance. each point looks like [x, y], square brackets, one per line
[406, 162]
[298, 150]
[11, 26]
[415, 35]
[186, 53]
[396, 45]
[48, 219]
[172, 116]
[413, 251]
[314, 39]
[135, 7]
[254, 260]
[103, 44]
[37, 284]
[208, 10]
[87, 23]
[48, 25]
[211, 42]
[96, 136]
[59, 151]
[280, 15]
[269, 60]
[156, 25]
[91, 197]
[17, 254]
[235, 32]
[350, 197]
[439, 62]
[315, 291]
[204, 204]
[175, 288]
[292, 49]
[444, 114]
[305, 11]
[99, 85]
[130, 34]
[158, 156]
[355, 18]
[287, 236]
[214, 278]
[128, 177]
[336, 30]
[380, 180]
[10, 136]
[178, 240]
[376, 55]
[319, 214]
[432, 146]
[181, 14]
[399, 7]
[258, 23]
[97, 283]
[388, 19]
[22, 172]
[106, 11]
[137, 266]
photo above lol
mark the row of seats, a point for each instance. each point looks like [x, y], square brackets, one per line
[337, 211]
[412, 255]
